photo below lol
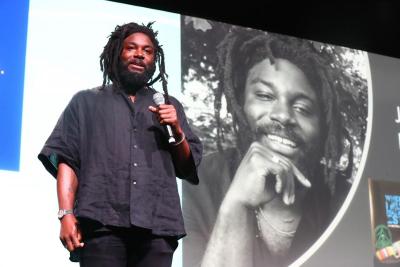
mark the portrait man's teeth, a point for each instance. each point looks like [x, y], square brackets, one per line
[282, 140]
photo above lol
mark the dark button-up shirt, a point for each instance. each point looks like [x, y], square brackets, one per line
[121, 156]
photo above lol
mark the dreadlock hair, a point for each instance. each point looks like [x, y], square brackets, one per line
[243, 48]
[110, 57]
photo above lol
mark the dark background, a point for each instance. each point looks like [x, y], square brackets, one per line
[373, 26]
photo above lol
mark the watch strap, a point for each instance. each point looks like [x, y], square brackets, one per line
[63, 212]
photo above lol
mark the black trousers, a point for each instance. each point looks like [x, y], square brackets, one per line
[133, 247]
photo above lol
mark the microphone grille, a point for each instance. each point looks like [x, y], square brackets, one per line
[158, 98]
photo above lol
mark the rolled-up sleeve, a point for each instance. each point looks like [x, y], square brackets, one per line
[63, 143]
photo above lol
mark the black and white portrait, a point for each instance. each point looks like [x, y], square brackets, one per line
[283, 123]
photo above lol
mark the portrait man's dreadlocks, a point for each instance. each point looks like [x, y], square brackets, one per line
[116, 152]
[267, 196]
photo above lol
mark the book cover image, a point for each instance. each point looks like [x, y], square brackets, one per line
[385, 221]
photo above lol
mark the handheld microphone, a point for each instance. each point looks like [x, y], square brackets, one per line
[158, 99]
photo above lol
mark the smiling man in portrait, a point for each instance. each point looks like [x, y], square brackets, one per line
[268, 199]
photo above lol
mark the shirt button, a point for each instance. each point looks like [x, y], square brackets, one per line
[135, 164]
[135, 146]
[134, 182]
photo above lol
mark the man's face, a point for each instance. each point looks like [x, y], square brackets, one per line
[137, 64]
[282, 109]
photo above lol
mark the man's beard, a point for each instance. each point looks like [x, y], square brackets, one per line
[133, 81]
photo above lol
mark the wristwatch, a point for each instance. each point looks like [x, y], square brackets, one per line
[62, 213]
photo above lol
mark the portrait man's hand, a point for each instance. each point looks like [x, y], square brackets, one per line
[70, 234]
[251, 184]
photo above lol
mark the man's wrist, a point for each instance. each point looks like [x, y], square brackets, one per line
[63, 212]
[179, 139]
[179, 135]
[230, 206]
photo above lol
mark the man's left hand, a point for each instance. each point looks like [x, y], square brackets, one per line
[166, 114]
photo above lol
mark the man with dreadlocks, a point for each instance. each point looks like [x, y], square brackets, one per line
[114, 163]
[266, 201]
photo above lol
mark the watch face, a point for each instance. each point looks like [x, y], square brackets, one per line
[60, 214]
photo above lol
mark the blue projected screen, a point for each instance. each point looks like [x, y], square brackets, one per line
[14, 22]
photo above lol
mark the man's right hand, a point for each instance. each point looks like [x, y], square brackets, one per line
[70, 234]
[250, 185]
